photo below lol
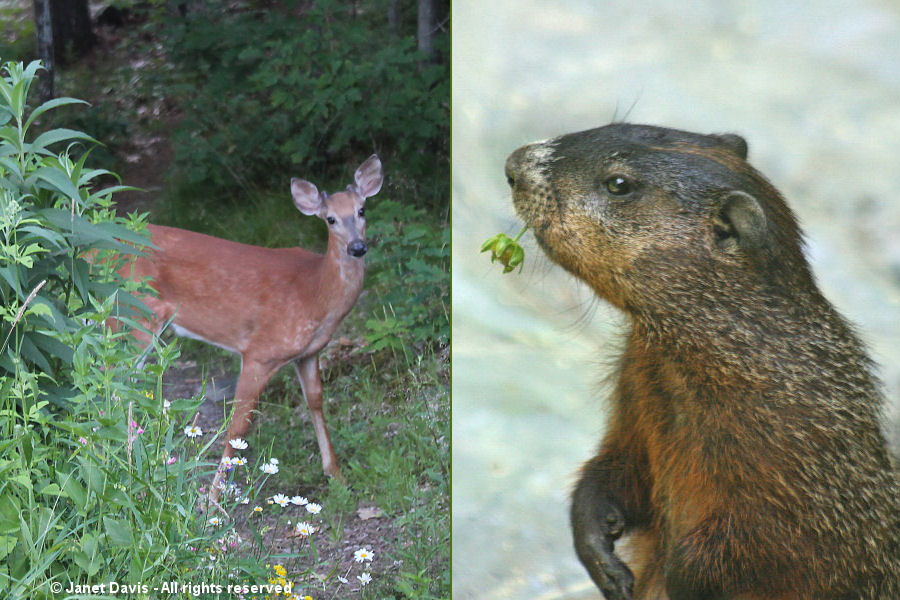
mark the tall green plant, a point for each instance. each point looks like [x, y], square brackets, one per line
[58, 240]
[97, 479]
[60, 244]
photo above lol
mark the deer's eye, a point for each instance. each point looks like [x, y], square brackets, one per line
[331, 220]
[362, 212]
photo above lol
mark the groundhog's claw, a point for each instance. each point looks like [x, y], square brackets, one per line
[613, 578]
[594, 537]
[610, 574]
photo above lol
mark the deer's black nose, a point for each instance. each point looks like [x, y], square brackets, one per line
[357, 248]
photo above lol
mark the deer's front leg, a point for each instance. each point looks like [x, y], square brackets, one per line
[311, 382]
[253, 379]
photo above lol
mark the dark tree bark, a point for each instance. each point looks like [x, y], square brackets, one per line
[72, 33]
[393, 13]
[427, 28]
[44, 32]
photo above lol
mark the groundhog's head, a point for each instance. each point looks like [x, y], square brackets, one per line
[648, 215]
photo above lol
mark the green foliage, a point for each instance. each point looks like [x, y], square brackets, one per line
[271, 91]
[409, 273]
[58, 237]
[70, 399]
[94, 494]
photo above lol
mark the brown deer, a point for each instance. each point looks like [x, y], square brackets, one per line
[270, 305]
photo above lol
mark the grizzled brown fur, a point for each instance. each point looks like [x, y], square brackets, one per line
[743, 451]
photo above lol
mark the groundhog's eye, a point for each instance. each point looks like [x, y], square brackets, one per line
[618, 185]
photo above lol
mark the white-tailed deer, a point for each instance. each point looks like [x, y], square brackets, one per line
[271, 306]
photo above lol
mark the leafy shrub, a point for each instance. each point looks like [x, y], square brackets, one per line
[410, 276]
[317, 92]
[89, 489]
[67, 385]
[60, 241]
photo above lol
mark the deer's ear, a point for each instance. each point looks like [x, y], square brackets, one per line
[368, 177]
[306, 196]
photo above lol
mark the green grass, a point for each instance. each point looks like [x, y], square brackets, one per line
[391, 433]
[263, 217]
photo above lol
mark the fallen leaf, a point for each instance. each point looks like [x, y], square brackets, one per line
[369, 512]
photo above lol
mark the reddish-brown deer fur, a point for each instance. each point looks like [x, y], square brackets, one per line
[271, 306]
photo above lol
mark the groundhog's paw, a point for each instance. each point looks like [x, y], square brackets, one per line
[611, 575]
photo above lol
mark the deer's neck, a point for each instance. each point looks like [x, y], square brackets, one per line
[343, 274]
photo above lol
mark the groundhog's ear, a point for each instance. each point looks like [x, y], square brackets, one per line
[734, 143]
[740, 223]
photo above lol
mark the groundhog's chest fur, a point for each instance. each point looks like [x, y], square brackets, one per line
[743, 448]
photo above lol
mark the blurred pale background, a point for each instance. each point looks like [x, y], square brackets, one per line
[815, 89]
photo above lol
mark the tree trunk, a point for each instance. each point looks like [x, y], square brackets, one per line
[393, 13]
[426, 28]
[72, 33]
[44, 31]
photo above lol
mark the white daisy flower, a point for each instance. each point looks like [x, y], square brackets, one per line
[314, 508]
[193, 431]
[239, 444]
[305, 528]
[281, 500]
[363, 554]
[269, 468]
[299, 500]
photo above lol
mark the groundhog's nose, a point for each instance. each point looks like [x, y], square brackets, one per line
[527, 163]
[510, 170]
[516, 163]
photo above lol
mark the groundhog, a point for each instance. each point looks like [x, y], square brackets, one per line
[743, 452]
